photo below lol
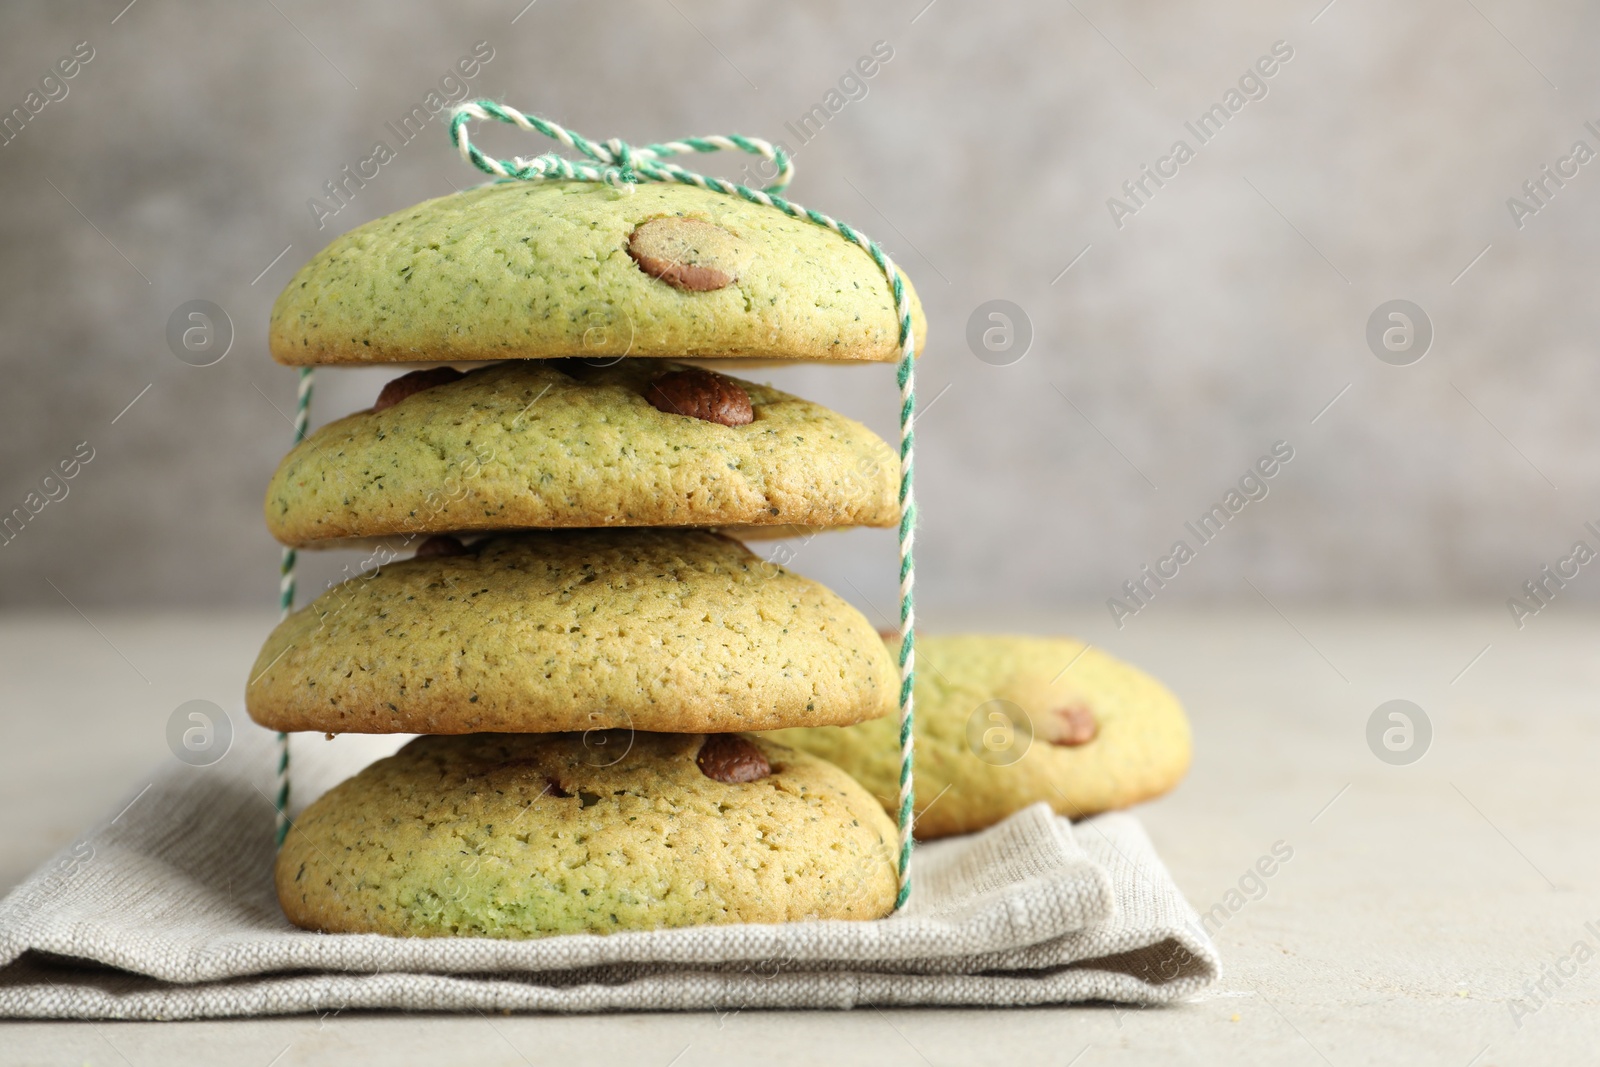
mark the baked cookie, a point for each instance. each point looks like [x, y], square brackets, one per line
[1004, 722]
[542, 269]
[521, 835]
[532, 444]
[676, 630]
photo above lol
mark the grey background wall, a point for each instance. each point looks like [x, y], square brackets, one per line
[1173, 343]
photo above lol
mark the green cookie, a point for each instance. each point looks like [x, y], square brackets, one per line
[673, 630]
[524, 445]
[1005, 722]
[518, 836]
[542, 269]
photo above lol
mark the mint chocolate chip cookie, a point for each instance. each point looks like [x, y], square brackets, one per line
[673, 630]
[538, 444]
[1004, 722]
[519, 836]
[542, 269]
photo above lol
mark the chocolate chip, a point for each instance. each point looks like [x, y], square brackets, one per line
[686, 253]
[413, 383]
[440, 545]
[700, 394]
[731, 758]
[1072, 725]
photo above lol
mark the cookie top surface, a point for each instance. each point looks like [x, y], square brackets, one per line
[681, 631]
[517, 836]
[545, 269]
[532, 444]
[1007, 721]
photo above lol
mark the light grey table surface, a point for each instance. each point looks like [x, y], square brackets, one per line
[1420, 905]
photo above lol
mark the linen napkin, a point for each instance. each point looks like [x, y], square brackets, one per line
[166, 910]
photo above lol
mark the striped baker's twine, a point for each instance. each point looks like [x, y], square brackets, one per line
[280, 798]
[621, 165]
[907, 375]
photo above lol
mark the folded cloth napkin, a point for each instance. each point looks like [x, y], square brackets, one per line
[167, 911]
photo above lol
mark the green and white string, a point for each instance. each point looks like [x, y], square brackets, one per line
[621, 165]
[280, 796]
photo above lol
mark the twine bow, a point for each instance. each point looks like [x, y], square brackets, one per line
[623, 166]
[616, 162]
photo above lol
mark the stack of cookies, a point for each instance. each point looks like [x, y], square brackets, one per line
[570, 617]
